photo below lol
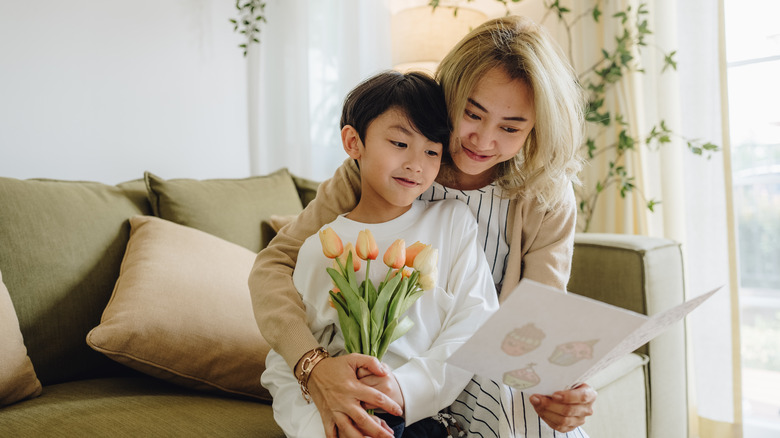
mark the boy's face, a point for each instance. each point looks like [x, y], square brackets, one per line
[397, 164]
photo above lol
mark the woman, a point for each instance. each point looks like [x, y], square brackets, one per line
[516, 110]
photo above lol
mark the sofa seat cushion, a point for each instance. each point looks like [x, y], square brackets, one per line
[135, 406]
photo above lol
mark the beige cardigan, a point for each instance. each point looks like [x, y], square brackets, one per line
[545, 241]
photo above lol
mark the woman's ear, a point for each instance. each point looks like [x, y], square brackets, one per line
[351, 141]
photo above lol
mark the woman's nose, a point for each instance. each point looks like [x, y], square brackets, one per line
[481, 138]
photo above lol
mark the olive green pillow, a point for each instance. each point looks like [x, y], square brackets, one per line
[61, 245]
[232, 209]
[17, 376]
[181, 311]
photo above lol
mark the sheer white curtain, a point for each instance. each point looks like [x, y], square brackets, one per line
[695, 191]
[710, 245]
[312, 52]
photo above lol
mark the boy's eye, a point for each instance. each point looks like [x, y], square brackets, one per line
[398, 144]
[432, 153]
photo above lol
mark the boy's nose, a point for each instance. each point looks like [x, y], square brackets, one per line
[414, 163]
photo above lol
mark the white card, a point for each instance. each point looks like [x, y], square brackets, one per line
[542, 340]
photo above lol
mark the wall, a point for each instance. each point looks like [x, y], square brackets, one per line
[103, 90]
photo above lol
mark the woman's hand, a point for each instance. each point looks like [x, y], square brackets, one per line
[338, 394]
[566, 410]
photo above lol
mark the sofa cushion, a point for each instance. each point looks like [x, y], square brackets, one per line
[135, 407]
[181, 311]
[17, 376]
[61, 245]
[232, 209]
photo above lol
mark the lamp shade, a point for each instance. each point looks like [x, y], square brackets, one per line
[422, 36]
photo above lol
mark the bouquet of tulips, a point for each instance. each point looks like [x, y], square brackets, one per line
[371, 317]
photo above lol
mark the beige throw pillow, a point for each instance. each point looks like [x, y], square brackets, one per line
[17, 376]
[181, 311]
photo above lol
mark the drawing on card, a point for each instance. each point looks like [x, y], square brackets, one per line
[570, 353]
[522, 378]
[522, 340]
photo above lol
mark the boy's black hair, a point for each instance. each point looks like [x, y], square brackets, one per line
[415, 93]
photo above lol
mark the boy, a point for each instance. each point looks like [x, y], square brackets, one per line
[394, 126]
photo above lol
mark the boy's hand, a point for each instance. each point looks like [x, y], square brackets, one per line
[387, 384]
[566, 410]
[338, 394]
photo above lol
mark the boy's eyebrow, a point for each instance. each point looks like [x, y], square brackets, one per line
[402, 128]
[516, 118]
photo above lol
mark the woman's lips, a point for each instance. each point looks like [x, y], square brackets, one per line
[474, 156]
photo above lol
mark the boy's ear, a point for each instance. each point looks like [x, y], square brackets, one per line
[351, 141]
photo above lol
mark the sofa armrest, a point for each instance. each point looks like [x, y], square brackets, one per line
[645, 275]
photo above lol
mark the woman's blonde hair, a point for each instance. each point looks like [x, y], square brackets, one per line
[549, 161]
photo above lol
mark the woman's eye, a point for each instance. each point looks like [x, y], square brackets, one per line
[471, 115]
[510, 130]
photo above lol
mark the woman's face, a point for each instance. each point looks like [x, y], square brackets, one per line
[499, 116]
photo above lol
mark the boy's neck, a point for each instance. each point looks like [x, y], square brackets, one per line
[368, 214]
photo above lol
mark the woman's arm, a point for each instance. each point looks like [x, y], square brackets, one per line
[277, 305]
[541, 244]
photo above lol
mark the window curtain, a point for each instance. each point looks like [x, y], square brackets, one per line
[311, 53]
[695, 191]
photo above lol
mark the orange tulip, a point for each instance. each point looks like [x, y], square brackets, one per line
[412, 251]
[405, 273]
[395, 256]
[348, 248]
[331, 243]
[366, 246]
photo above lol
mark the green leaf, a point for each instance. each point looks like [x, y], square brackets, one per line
[338, 300]
[596, 13]
[651, 204]
[384, 295]
[365, 326]
[591, 144]
[376, 335]
[669, 61]
[350, 295]
[370, 294]
[349, 330]
[385, 340]
[403, 327]
[409, 300]
[349, 267]
[395, 303]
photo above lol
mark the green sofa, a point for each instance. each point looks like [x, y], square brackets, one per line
[81, 262]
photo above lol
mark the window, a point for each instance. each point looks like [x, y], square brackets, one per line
[753, 56]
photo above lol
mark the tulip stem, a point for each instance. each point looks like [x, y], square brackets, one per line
[365, 289]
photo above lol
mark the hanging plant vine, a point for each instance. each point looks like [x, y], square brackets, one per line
[250, 14]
